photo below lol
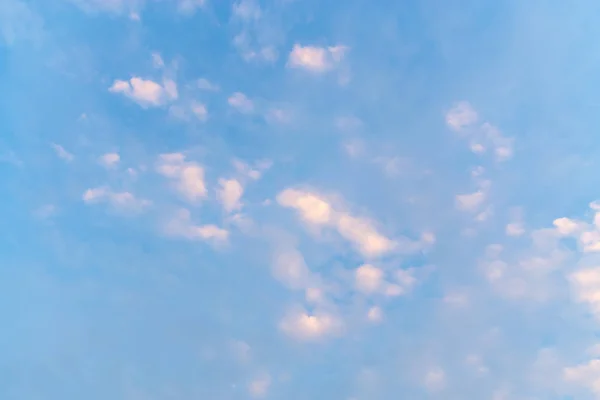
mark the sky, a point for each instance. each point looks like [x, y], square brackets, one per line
[299, 199]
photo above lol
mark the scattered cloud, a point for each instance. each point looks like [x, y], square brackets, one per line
[146, 93]
[187, 175]
[205, 84]
[121, 201]
[316, 59]
[301, 325]
[229, 193]
[62, 153]
[257, 38]
[110, 160]
[259, 386]
[482, 136]
[360, 231]
[241, 103]
[181, 226]
[189, 7]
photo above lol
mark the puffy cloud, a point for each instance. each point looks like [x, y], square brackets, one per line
[188, 175]
[461, 115]
[359, 231]
[182, 226]
[146, 93]
[586, 287]
[515, 229]
[289, 267]
[110, 160]
[310, 206]
[199, 110]
[229, 193]
[309, 327]
[316, 59]
[188, 7]
[259, 386]
[463, 118]
[435, 379]
[470, 201]
[62, 153]
[122, 201]
[587, 375]
[375, 314]
[205, 84]
[240, 102]
[368, 279]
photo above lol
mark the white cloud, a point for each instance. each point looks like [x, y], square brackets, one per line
[311, 207]
[515, 229]
[199, 110]
[122, 201]
[146, 93]
[470, 201]
[309, 327]
[375, 314]
[316, 59]
[229, 194]
[289, 268]
[188, 175]
[587, 375]
[109, 6]
[240, 102]
[259, 387]
[359, 231]
[461, 115]
[463, 118]
[253, 173]
[182, 226]
[109, 160]
[205, 84]
[435, 379]
[62, 153]
[157, 61]
[364, 236]
[368, 279]
[586, 287]
[246, 10]
[188, 7]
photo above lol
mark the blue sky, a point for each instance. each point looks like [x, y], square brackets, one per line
[296, 199]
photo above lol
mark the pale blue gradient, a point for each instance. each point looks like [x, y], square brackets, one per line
[97, 303]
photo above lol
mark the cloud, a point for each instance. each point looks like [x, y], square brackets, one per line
[303, 326]
[110, 160]
[259, 386]
[435, 379]
[289, 268]
[241, 103]
[189, 7]
[586, 287]
[316, 59]
[470, 201]
[257, 36]
[146, 93]
[461, 115]
[375, 314]
[368, 278]
[359, 231]
[229, 194]
[205, 84]
[122, 201]
[181, 226]
[482, 136]
[587, 375]
[62, 153]
[187, 175]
